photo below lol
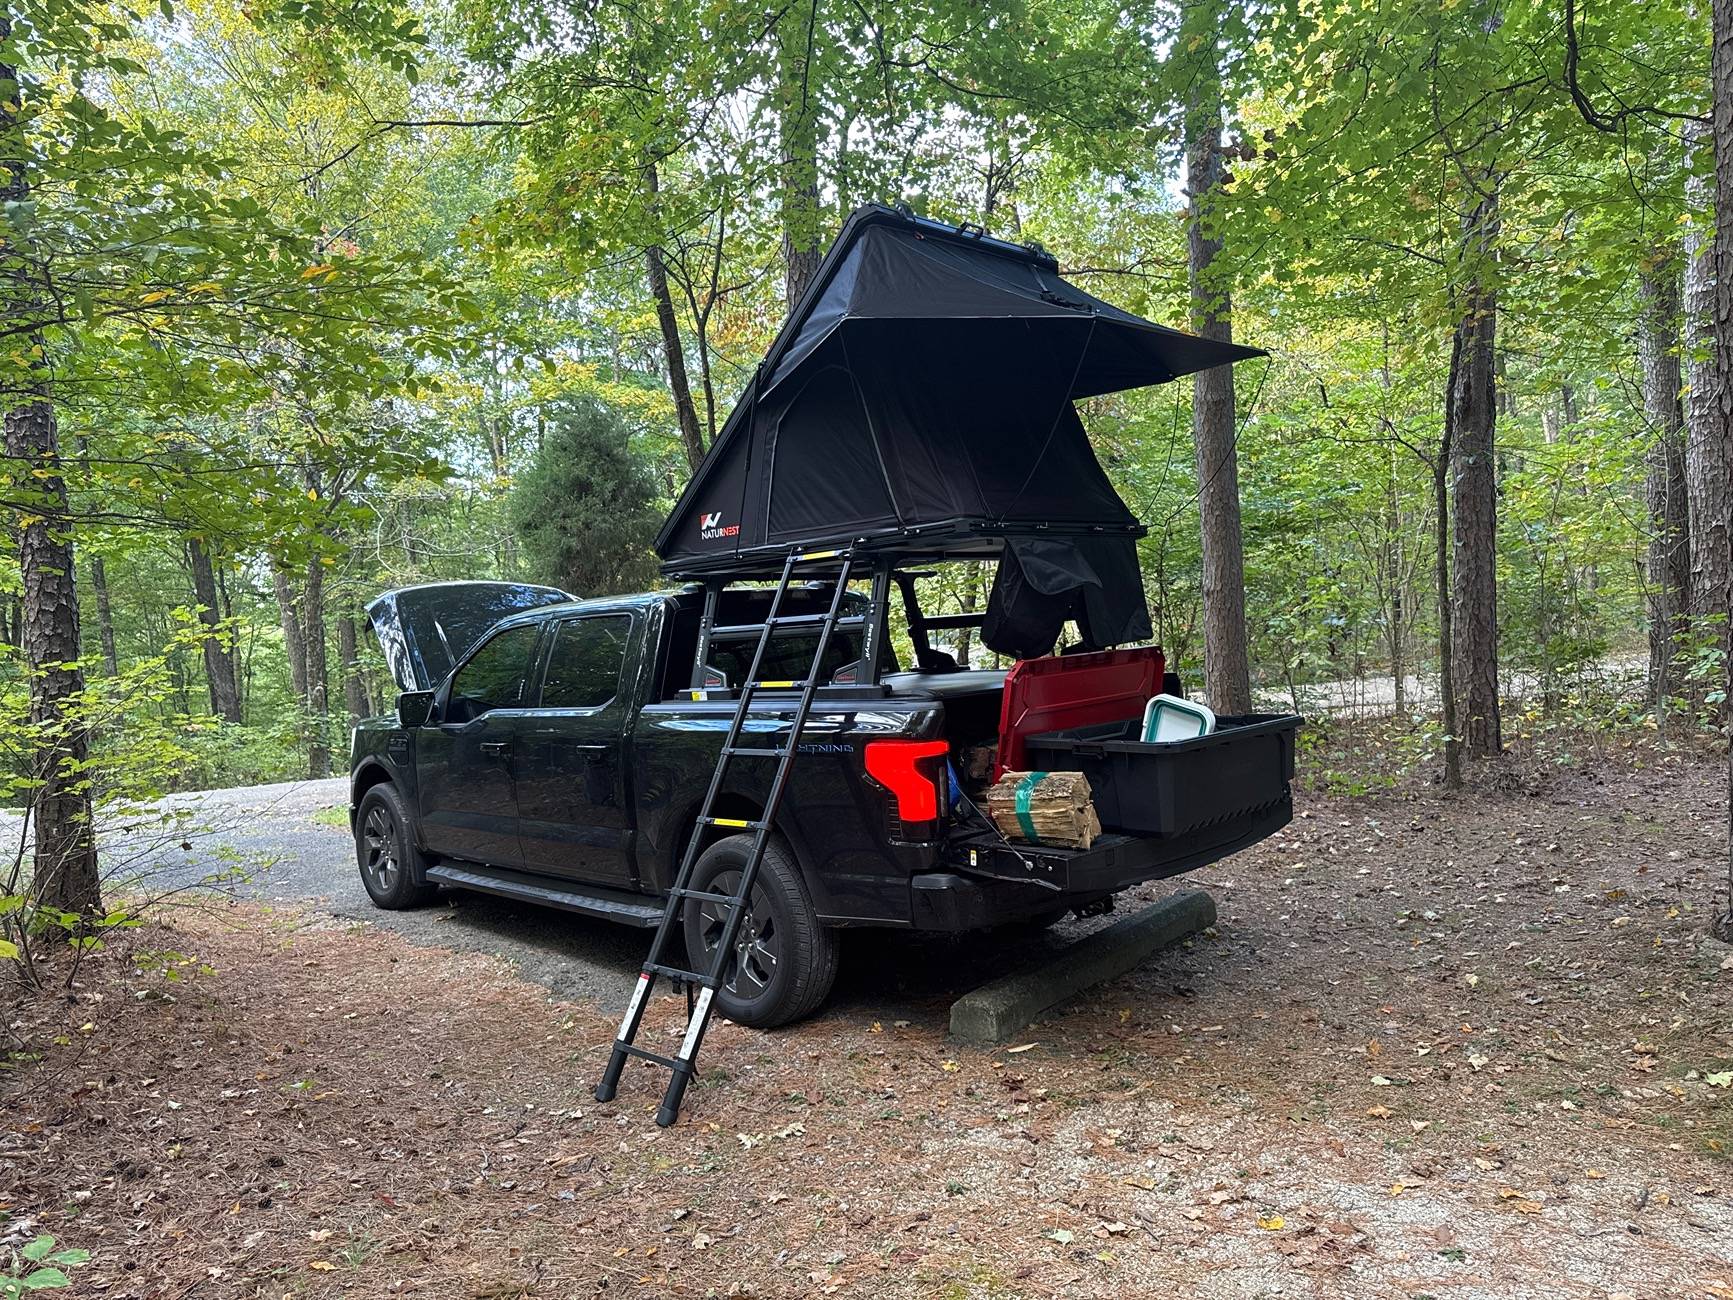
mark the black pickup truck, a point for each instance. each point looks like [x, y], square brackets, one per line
[554, 751]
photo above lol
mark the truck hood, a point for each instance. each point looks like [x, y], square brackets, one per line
[425, 631]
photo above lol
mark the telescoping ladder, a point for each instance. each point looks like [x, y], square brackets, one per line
[684, 1061]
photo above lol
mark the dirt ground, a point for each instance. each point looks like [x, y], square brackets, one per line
[1476, 1048]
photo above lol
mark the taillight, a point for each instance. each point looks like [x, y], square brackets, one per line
[913, 771]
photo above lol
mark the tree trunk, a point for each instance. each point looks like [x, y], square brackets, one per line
[679, 384]
[1669, 537]
[318, 674]
[1441, 565]
[294, 642]
[1707, 486]
[354, 688]
[1721, 83]
[1227, 661]
[218, 648]
[1474, 620]
[64, 867]
[1394, 566]
[797, 102]
[104, 616]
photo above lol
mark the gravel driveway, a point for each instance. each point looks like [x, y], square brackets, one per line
[261, 843]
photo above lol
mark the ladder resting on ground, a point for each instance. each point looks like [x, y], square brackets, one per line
[683, 1064]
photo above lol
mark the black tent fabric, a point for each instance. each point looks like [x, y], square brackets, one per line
[1043, 581]
[919, 399]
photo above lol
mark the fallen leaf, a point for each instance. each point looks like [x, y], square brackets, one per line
[1379, 1081]
[1379, 1112]
[702, 1240]
[1272, 1222]
[1021, 1047]
[1720, 1079]
[950, 1067]
[1138, 1181]
[1473, 981]
[322, 1265]
[1064, 1236]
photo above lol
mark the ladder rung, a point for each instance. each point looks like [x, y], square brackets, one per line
[738, 823]
[705, 896]
[809, 556]
[644, 1054]
[674, 973]
[778, 684]
[751, 751]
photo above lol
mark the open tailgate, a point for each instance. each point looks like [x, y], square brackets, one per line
[1177, 787]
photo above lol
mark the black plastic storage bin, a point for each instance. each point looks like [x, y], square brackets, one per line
[1244, 765]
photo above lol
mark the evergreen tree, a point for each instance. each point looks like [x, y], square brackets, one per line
[585, 508]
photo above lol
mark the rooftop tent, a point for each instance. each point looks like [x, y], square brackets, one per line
[920, 398]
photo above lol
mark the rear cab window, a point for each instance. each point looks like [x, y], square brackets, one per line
[587, 662]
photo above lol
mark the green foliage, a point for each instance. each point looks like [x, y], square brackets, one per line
[351, 353]
[583, 508]
[37, 1266]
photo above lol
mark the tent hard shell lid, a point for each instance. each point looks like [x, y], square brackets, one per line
[918, 401]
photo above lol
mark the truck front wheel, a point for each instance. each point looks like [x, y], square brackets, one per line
[782, 962]
[384, 850]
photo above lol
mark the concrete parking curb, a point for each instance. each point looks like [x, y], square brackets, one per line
[993, 1012]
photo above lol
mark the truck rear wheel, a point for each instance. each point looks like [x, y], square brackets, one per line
[783, 961]
[385, 851]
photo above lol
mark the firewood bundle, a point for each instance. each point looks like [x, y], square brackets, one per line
[1044, 808]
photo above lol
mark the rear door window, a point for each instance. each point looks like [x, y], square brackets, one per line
[586, 662]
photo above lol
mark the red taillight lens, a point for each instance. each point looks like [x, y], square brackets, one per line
[911, 770]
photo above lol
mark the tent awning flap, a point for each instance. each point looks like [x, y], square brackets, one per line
[924, 385]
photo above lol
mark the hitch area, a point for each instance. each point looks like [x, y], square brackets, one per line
[1096, 907]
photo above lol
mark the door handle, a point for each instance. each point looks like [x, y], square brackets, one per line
[495, 746]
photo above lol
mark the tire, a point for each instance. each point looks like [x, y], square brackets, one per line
[780, 924]
[385, 851]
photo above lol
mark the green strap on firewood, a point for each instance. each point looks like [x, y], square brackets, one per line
[1025, 790]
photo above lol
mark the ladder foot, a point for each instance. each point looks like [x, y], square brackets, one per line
[669, 1110]
[610, 1081]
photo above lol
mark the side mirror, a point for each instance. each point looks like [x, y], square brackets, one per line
[414, 708]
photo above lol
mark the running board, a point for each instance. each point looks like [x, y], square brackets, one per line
[608, 904]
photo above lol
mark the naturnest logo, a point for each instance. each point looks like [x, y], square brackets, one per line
[712, 529]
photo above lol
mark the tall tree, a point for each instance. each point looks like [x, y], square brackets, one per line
[218, 644]
[1721, 318]
[1474, 481]
[798, 104]
[1708, 484]
[1227, 657]
[1669, 563]
[65, 875]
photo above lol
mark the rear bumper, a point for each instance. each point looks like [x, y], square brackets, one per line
[985, 883]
